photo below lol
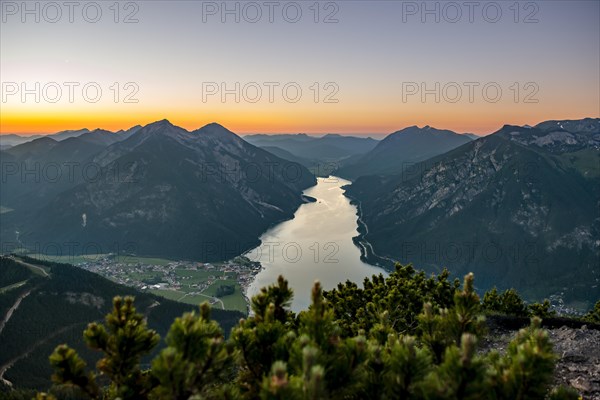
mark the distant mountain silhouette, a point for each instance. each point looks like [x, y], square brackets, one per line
[400, 149]
[327, 148]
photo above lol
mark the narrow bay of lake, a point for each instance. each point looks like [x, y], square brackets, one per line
[315, 245]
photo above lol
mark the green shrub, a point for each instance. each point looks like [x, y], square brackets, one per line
[426, 352]
[541, 310]
[509, 303]
[594, 315]
[390, 304]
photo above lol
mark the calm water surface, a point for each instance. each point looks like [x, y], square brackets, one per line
[315, 245]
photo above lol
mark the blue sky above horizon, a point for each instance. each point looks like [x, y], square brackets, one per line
[353, 67]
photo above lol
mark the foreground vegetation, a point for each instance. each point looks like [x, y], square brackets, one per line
[404, 337]
[52, 304]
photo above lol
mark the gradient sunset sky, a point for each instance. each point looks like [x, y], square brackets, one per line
[373, 53]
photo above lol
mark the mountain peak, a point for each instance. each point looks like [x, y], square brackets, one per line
[44, 139]
[508, 126]
[102, 131]
[556, 137]
[415, 130]
[214, 129]
[409, 145]
[582, 126]
[162, 122]
[214, 125]
[159, 126]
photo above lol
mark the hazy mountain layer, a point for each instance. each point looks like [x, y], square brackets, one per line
[401, 149]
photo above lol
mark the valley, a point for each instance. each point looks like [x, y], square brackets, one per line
[455, 209]
[230, 218]
[324, 200]
[316, 244]
[183, 281]
[43, 304]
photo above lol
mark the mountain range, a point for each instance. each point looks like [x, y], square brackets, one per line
[10, 140]
[519, 208]
[161, 190]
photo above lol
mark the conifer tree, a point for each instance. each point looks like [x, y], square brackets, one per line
[525, 372]
[461, 375]
[541, 310]
[263, 338]
[275, 354]
[594, 315]
[195, 361]
[123, 340]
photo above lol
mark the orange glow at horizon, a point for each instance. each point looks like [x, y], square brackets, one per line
[352, 115]
[268, 122]
[367, 74]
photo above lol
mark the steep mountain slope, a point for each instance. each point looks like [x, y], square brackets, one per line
[53, 303]
[68, 134]
[205, 195]
[10, 139]
[352, 145]
[401, 149]
[33, 149]
[125, 134]
[286, 155]
[519, 208]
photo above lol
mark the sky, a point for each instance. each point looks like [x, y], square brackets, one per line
[359, 67]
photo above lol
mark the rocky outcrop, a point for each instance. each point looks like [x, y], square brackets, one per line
[577, 348]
